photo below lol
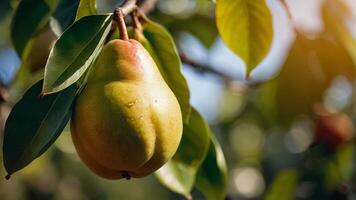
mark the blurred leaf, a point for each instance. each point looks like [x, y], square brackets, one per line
[5, 9]
[74, 51]
[246, 28]
[30, 16]
[339, 167]
[310, 68]
[284, 186]
[179, 173]
[344, 160]
[212, 176]
[34, 124]
[65, 13]
[231, 103]
[86, 7]
[159, 43]
[194, 25]
[335, 14]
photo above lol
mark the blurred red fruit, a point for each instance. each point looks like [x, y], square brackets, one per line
[333, 130]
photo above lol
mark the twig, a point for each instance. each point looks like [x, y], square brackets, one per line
[147, 5]
[127, 7]
[289, 14]
[232, 83]
[286, 7]
[4, 95]
[203, 68]
[135, 21]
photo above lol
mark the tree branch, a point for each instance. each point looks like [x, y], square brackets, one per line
[289, 15]
[127, 7]
[4, 95]
[147, 5]
[229, 81]
[286, 7]
[204, 68]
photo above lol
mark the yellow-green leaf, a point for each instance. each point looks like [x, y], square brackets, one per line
[334, 14]
[284, 186]
[86, 7]
[246, 28]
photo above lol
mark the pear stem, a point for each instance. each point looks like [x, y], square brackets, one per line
[135, 21]
[119, 18]
[128, 6]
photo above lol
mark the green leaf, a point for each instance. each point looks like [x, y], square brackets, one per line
[284, 186]
[34, 124]
[212, 176]
[74, 51]
[86, 7]
[158, 41]
[246, 28]
[65, 13]
[275, 97]
[5, 9]
[179, 173]
[194, 25]
[29, 17]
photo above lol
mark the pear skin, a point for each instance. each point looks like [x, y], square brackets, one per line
[126, 122]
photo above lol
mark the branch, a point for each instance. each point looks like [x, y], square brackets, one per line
[127, 7]
[289, 15]
[286, 7]
[147, 5]
[204, 68]
[229, 81]
[4, 95]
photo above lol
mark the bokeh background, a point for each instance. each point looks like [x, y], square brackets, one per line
[287, 133]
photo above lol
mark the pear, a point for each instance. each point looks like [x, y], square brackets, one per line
[126, 122]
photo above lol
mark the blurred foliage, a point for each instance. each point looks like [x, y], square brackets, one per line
[310, 68]
[266, 130]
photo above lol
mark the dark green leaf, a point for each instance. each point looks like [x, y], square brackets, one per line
[74, 51]
[65, 12]
[212, 176]
[29, 17]
[179, 173]
[34, 124]
[246, 28]
[160, 44]
[5, 9]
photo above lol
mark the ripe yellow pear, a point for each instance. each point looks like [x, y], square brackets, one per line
[126, 122]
